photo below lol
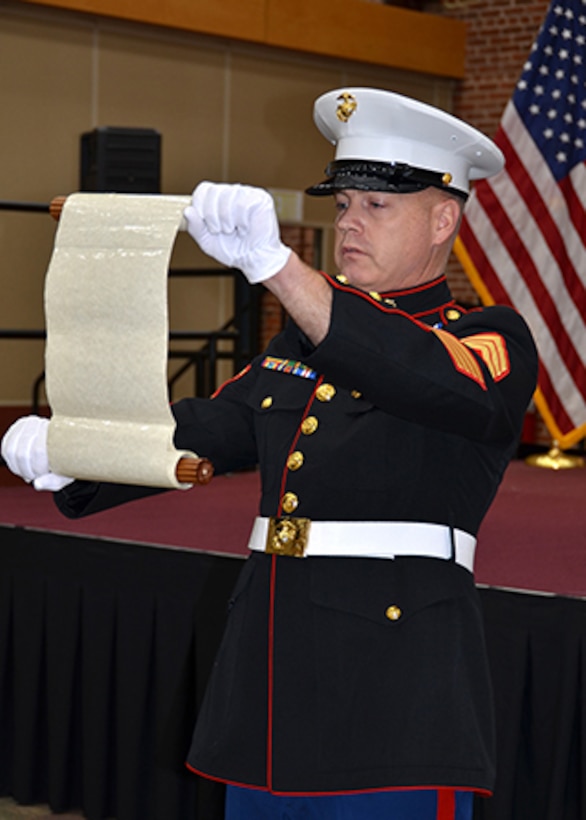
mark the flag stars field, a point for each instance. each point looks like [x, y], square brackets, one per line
[523, 235]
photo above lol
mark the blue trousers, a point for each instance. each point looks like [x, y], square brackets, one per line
[420, 804]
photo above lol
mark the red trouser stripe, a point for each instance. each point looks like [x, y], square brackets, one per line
[446, 804]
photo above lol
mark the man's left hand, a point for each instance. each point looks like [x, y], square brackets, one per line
[238, 226]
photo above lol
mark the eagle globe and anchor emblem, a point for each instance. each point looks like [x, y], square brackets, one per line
[288, 535]
[346, 107]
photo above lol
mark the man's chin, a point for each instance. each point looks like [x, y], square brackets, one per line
[354, 274]
[359, 282]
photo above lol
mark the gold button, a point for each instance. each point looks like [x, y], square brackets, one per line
[390, 302]
[393, 613]
[452, 315]
[325, 392]
[266, 402]
[343, 280]
[309, 425]
[375, 295]
[295, 460]
[289, 502]
[356, 394]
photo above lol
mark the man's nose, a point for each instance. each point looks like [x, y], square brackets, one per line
[349, 219]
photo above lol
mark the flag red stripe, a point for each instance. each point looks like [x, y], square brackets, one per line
[531, 275]
[554, 403]
[575, 208]
[541, 213]
[501, 297]
[523, 236]
[482, 263]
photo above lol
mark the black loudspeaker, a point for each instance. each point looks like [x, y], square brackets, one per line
[121, 161]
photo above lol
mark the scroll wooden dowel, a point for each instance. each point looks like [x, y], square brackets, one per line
[56, 206]
[194, 471]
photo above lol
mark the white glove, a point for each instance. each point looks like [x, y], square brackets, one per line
[237, 225]
[24, 449]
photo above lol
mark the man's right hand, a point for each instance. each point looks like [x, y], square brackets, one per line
[24, 449]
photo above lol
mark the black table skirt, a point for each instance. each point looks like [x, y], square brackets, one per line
[537, 650]
[105, 649]
[104, 652]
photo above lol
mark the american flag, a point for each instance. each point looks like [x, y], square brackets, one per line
[522, 240]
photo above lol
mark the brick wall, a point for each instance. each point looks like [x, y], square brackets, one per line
[499, 37]
[273, 317]
[498, 40]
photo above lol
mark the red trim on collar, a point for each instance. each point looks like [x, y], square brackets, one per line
[362, 294]
[393, 294]
[397, 294]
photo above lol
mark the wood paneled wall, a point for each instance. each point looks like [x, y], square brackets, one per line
[348, 29]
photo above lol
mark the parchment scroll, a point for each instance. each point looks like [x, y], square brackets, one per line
[107, 339]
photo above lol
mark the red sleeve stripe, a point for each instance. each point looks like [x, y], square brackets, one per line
[235, 378]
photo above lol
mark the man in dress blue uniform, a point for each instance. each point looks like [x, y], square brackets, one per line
[352, 680]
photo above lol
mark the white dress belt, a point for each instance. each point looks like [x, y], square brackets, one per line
[301, 537]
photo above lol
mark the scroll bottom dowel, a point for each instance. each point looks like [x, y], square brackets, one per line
[194, 471]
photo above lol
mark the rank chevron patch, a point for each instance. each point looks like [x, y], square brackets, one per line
[464, 361]
[493, 350]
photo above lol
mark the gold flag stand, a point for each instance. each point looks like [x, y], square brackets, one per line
[555, 459]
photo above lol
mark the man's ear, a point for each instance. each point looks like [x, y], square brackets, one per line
[447, 214]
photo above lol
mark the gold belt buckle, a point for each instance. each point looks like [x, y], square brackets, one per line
[287, 536]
